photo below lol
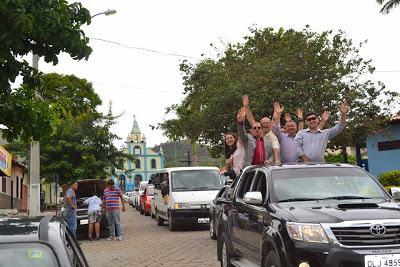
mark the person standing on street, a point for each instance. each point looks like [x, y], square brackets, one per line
[42, 198]
[111, 202]
[94, 214]
[70, 207]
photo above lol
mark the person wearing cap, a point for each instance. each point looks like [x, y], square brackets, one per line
[311, 143]
[111, 198]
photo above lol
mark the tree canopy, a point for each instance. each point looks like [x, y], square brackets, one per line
[388, 5]
[45, 28]
[82, 144]
[306, 69]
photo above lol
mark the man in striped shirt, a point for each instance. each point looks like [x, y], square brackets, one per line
[111, 198]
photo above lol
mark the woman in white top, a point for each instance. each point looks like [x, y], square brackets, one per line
[234, 153]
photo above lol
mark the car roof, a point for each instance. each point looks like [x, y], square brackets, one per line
[188, 168]
[304, 165]
[28, 229]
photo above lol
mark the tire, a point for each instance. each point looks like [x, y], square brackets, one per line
[160, 221]
[226, 255]
[272, 260]
[152, 215]
[171, 224]
[213, 234]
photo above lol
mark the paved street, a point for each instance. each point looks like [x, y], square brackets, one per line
[146, 244]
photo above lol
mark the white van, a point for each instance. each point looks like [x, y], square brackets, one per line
[186, 197]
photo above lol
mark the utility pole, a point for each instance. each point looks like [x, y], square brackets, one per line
[188, 158]
[34, 167]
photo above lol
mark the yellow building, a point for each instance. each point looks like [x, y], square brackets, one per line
[146, 163]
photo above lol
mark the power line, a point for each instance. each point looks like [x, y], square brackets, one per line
[144, 49]
[138, 88]
[237, 63]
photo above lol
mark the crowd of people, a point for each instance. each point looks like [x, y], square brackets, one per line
[269, 143]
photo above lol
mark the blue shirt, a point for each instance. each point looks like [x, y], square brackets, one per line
[313, 145]
[94, 203]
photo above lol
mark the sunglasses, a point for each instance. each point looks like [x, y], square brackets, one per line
[256, 128]
[312, 119]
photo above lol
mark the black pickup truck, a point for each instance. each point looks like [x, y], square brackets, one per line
[308, 215]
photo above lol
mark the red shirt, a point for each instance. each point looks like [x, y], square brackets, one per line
[259, 152]
[112, 198]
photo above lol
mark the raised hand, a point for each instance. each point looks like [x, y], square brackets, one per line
[288, 117]
[241, 115]
[344, 107]
[299, 113]
[325, 116]
[278, 108]
[246, 102]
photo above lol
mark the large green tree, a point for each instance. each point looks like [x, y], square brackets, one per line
[388, 5]
[313, 71]
[82, 145]
[45, 28]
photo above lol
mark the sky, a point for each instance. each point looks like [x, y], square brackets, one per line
[137, 51]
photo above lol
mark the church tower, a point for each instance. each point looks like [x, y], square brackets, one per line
[145, 164]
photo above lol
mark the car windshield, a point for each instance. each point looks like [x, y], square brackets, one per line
[196, 180]
[325, 183]
[150, 191]
[27, 254]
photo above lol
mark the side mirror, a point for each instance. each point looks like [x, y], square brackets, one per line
[136, 189]
[229, 194]
[395, 192]
[142, 195]
[253, 198]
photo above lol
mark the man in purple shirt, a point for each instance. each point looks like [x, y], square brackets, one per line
[286, 140]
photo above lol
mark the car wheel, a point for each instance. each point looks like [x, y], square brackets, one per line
[152, 215]
[160, 221]
[226, 255]
[171, 224]
[141, 209]
[213, 235]
[272, 260]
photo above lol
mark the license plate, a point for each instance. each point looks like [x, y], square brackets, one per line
[203, 220]
[387, 260]
[84, 221]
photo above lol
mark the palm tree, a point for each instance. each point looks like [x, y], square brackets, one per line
[388, 6]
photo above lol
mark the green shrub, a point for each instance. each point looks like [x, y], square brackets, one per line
[351, 159]
[390, 178]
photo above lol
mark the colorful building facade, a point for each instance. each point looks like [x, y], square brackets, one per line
[145, 164]
[384, 149]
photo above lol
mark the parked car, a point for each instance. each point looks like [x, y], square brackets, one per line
[145, 198]
[186, 198]
[138, 191]
[85, 188]
[128, 196]
[216, 210]
[38, 241]
[308, 214]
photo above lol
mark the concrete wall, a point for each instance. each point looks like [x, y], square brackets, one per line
[383, 161]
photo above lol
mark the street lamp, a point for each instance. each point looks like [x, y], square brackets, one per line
[107, 13]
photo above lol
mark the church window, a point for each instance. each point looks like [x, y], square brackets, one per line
[153, 163]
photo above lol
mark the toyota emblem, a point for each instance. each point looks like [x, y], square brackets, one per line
[377, 230]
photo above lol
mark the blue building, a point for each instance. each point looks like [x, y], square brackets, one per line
[145, 165]
[384, 149]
